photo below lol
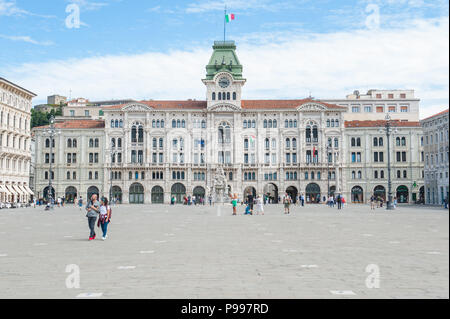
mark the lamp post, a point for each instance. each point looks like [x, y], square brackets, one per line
[388, 130]
[52, 133]
[328, 169]
[113, 156]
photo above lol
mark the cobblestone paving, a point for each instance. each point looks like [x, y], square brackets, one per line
[198, 252]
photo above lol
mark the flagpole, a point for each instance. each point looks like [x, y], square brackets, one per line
[224, 23]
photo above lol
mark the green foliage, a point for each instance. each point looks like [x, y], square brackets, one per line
[43, 118]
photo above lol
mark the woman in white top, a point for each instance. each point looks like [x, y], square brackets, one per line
[259, 206]
[105, 216]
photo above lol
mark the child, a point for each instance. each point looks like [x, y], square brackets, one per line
[248, 210]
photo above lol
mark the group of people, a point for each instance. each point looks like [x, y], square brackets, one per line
[339, 200]
[98, 213]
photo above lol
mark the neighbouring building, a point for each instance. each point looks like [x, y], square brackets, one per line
[435, 140]
[15, 142]
[151, 151]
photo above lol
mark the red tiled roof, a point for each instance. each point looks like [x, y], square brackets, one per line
[77, 124]
[440, 113]
[246, 104]
[284, 104]
[379, 123]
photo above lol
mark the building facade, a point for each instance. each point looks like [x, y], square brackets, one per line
[435, 139]
[151, 151]
[15, 142]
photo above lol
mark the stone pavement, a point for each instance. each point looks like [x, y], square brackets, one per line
[194, 252]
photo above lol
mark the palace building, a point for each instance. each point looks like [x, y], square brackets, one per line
[15, 142]
[150, 151]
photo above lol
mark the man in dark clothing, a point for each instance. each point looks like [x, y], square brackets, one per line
[93, 209]
[339, 201]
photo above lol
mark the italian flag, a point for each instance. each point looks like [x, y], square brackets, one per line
[229, 17]
[252, 138]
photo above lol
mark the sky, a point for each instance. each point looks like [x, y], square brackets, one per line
[148, 49]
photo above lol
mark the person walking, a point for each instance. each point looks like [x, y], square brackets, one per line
[104, 217]
[93, 209]
[234, 204]
[395, 202]
[339, 201]
[372, 202]
[80, 202]
[259, 205]
[287, 203]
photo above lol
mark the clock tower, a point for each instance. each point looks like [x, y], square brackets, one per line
[224, 80]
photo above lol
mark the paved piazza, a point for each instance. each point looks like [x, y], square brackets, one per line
[195, 252]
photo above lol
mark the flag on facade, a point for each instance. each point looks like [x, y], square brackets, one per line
[229, 17]
[252, 138]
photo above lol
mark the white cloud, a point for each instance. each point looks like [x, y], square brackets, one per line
[25, 38]
[329, 65]
[214, 5]
[9, 8]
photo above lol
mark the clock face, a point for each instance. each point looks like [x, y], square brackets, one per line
[224, 82]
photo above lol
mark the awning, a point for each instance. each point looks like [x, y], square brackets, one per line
[18, 190]
[24, 191]
[3, 189]
[11, 190]
[28, 190]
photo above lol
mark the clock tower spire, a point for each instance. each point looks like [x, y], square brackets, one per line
[224, 79]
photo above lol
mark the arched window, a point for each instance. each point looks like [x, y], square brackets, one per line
[174, 124]
[178, 124]
[253, 124]
[358, 141]
[336, 122]
[120, 123]
[315, 133]
[224, 133]
[69, 143]
[375, 141]
[286, 123]
[134, 134]
[153, 123]
[119, 143]
[112, 123]
[380, 141]
[74, 143]
[330, 142]
[220, 96]
[228, 96]
[245, 123]
[328, 123]
[403, 141]
[265, 124]
[359, 175]
[308, 134]
[274, 143]
[266, 143]
[295, 123]
[375, 174]
[203, 124]
[275, 124]
[162, 123]
[234, 96]
[294, 143]
[158, 124]
[269, 124]
[246, 143]
[353, 174]
[47, 143]
[213, 96]
[288, 143]
[113, 142]
[116, 123]
[91, 142]
[96, 144]
[336, 142]
[353, 141]
[397, 141]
